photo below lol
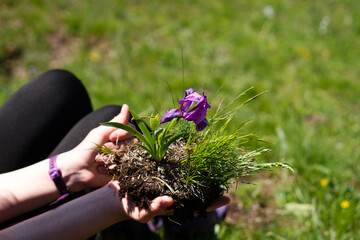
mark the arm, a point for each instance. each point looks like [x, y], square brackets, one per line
[25, 189]
[85, 216]
[89, 214]
[31, 187]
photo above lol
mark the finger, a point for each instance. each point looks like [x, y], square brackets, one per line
[109, 145]
[123, 117]
[119, 135]
[221, 201]
[160, 204]
[102, 156]
[100, 135]
[120, 145]
[124, 145]
[101, 179]
[101, 169]
[98, 176]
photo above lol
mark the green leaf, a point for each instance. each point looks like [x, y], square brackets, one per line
[154, 121]
[171, 125]
[145, 131]
[129, 129]
[159, 137]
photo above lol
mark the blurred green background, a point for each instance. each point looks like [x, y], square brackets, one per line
[306, 53]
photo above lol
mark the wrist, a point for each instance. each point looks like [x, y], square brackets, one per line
[70, 174]
[56, 176]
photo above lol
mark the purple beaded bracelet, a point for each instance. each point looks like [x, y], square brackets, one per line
[56, 177]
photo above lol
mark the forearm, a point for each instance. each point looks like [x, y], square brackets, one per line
[29, 188]
[25, 189]
[77, 219]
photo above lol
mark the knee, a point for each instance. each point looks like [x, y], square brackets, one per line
[60, 78]
[62, 81]
[63, 88]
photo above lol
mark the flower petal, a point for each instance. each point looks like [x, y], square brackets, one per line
[193, 97]
[203, 124]
[196, 116]
[189, 91]
[198, 113]
[187, 102]
[171, 114]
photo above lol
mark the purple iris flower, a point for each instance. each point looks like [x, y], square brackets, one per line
[196, 113]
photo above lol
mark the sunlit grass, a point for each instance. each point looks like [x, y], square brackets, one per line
[303, 52]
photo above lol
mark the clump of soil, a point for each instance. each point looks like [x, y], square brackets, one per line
[144, 179]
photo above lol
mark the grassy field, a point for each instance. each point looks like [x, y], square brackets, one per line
[306, 53]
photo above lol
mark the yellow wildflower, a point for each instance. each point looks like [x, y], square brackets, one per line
[94, 57]
[324, 182]
[345, 204]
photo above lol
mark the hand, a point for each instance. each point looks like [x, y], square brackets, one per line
[158, 206]
[126, 209]
[221, 201]
[79, 166]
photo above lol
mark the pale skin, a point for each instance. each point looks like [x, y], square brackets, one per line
[29, 188]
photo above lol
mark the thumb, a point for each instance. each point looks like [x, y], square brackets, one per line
[123, 117]
[100, 135]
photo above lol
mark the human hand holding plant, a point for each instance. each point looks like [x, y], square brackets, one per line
[80, 166]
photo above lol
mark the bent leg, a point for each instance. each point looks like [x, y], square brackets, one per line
[36, 117]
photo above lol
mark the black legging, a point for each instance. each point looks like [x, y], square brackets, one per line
[49, 115]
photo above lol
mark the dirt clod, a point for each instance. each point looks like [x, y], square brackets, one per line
[144, 179]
